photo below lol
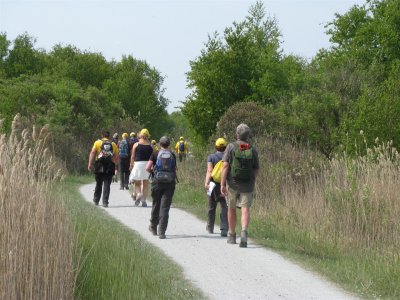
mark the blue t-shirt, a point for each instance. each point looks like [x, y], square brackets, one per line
[215, 157]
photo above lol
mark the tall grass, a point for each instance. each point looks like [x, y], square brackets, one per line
[36, 238]
[341, 215]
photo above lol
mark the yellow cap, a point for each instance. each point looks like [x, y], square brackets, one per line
[153, 142]
[133, 134]
[124, 135]
[181, 138]
[145, 132]
[220, 142]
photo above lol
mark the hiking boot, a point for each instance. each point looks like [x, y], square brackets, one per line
[162, 236]
[153, 229]
[243, 239]
[105, 204]
[231, 238]
[121, 187]
[95, 202]
[127, 187]
[144, 204]
[209, 229]
[224, 233]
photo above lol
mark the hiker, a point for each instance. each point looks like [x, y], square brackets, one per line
[141, 152]
[124, 153]
[162, 186]
[213, 176]
[182, 148]
[104, 152]
[115, 140]
[239, 170]
[154, 145]
[132, 139]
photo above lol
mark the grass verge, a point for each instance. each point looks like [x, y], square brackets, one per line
[115, 263]
[360, 272]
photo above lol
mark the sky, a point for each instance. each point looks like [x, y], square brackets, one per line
[166, 34]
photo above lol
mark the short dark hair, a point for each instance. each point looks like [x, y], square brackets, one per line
[106, 134]
[220, 148]
[164, 142]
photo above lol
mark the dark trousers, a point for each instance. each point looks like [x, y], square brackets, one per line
[124, 172]
[162, 199]
[212, 208]
[103, 182]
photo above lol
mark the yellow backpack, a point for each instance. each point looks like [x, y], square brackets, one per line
[216, 172]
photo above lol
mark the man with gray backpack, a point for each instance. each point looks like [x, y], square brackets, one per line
[162, 166]
[239, 170]
[124, 154]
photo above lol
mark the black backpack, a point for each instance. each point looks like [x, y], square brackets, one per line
[165, 167]
[106, 153]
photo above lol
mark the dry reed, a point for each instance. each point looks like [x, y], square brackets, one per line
[36, 237]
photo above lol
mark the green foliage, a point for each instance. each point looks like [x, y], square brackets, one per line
[79, 94]
[259, 119]
[244, 64]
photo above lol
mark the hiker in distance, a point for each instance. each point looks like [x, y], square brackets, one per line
[115, 140]
[141, 153]
[162, 165]
[124, 153]
[182, 148]
[213, 188]
[105, 155]
[239, 170]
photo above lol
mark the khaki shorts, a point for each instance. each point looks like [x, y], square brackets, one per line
[236, 199]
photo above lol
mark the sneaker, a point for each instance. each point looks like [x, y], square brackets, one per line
[137, 200]
[162, 236]
[224, 233]
[243, 239]
[95, 202]
[127, 187]
[231, 238]
[144, 204]
[153, 229]
[105, 204]
[209, 229]
[121, 188]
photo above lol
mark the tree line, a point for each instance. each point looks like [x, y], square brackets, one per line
[346, 96]
[78, 93]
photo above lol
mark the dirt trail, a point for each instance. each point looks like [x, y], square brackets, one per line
[221, 270]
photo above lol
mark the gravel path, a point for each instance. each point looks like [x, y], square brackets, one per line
[220, 270]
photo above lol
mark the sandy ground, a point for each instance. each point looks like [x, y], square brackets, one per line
[220, 270]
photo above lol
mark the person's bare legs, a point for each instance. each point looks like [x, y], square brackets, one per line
[232, 219]
[137, 189]
[145, 184]
[245, 217]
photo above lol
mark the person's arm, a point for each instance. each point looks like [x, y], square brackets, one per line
[91, 158]
[133, 156]
[208, 175]
[224, 174]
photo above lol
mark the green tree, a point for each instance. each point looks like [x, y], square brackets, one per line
[243, 65]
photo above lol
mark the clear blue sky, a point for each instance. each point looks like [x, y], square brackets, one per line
[167, 34]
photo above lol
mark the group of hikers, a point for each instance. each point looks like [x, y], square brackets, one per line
[230, 176]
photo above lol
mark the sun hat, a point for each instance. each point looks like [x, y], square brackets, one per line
[153, 142]
[145, 132]
[221, 142]
[181, 138]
